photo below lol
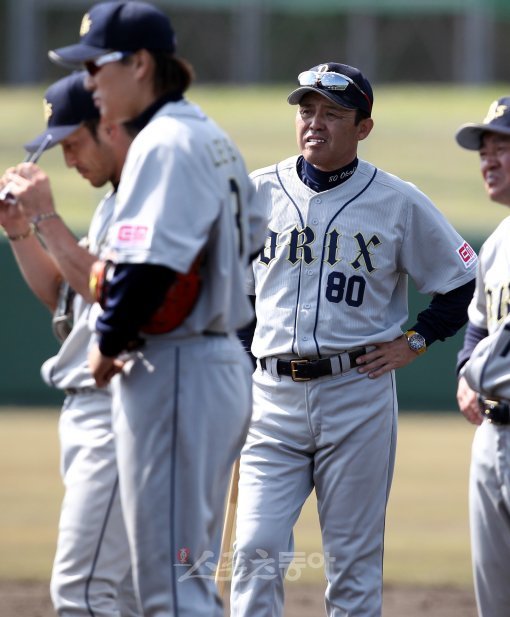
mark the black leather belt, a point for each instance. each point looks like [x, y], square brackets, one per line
[496, 412]
[302, 369]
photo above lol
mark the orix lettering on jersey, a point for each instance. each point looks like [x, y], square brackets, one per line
[498, 303]
[300, 248]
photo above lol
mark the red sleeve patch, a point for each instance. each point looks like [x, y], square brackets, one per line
[466, 254]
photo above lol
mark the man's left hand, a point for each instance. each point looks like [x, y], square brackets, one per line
[386, 357]
[103, 368]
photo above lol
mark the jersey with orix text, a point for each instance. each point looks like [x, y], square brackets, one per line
[334, 271]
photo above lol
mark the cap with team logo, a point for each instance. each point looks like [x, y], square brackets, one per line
[343, 84]
[497, 120]
[67, 104]
[118, 26]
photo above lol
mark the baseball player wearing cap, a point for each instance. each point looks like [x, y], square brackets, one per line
[182, 402]
[91, 573]
[489, 482]
[330, 293]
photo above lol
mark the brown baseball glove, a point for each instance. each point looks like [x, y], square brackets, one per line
[179, 301]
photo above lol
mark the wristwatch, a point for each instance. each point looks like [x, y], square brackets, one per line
[416, 341]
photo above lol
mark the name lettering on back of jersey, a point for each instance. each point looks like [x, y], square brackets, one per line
[221, 152]
[131, 236]
[302, 246]
[467, 255]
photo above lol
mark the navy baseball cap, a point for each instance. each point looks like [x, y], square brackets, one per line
[341, 83]
[497, 120]
[118, 26]
[67, 104]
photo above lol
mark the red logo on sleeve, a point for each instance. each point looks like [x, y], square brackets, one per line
[467, 254]
[132, 233]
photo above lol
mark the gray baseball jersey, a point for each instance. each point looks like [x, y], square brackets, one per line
[182, 406]
[183, 170]
[353, 258]
[332, 277]
[91, 571]
[69, 367]
[491, 301]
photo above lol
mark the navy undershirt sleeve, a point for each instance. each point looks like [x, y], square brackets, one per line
[472, 337]
[136, 291]
[446, 314]
[246, 334]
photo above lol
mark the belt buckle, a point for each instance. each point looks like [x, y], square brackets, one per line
[293, 369]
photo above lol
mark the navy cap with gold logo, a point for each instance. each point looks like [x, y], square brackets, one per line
[66, 105]
[118, 26]
[497, 120]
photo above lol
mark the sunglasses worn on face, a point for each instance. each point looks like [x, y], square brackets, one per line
[93, 66]
[330, 81]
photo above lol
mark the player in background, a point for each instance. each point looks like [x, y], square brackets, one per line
[489, 481]
[91, 572]
[330, 292]
[182, 402]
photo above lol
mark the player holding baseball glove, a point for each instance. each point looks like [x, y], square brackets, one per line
[182, 402]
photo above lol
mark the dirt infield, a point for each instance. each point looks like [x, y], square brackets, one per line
[32, 600]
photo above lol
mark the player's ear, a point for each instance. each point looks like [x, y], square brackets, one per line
[364, 128]
[143, 63]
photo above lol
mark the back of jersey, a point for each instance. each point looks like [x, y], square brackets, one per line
[184, 191]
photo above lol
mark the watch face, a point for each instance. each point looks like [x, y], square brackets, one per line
[416, 342]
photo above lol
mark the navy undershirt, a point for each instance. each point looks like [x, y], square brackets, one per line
[320, 181]
[472, 337]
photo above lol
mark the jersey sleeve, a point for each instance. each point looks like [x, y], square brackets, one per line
[166, 202]
[433, 254]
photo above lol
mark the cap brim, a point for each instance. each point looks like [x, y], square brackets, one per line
[73, 56]
[336, 97]
[469, 136]
[55, 135]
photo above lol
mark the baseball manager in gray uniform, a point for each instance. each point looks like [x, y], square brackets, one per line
[489, 485]
[330, 292]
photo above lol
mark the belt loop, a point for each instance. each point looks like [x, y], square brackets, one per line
[336, 365]
[345, 362]
[271, 366]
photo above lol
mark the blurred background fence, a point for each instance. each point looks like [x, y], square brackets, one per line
[260, 41]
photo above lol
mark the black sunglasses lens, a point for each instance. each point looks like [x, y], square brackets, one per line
[91, 67]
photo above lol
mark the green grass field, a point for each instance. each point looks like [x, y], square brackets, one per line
[427, 530]
[413, 138]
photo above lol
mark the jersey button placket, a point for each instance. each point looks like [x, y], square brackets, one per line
[307, 308]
